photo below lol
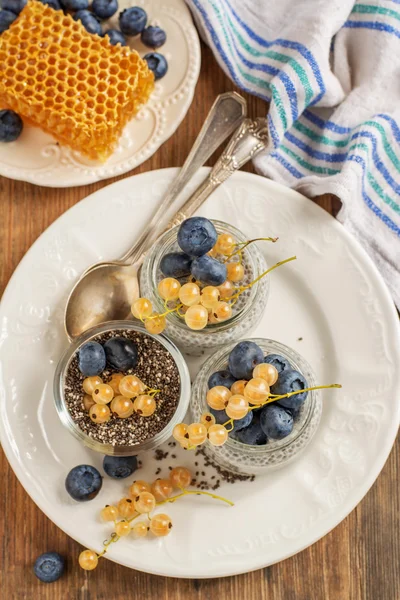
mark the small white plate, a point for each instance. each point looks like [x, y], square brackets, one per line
[36, 157]
[331, 305]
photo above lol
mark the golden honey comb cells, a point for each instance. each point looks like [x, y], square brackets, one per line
[72, 84]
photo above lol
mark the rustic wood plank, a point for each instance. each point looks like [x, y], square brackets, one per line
[359, 560]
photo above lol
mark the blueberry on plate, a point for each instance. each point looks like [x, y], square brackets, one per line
[90, 22]
[197, 236]
[279, 362]
[54, 4]
[132, 20]
[157, 63]
[224, 378]
[75, 4]
[209, 270]
[104, 9]
[290, 381]
[11, 124]
[116, 37]
[239, 424]
[14, 6]
[6, 18]
[276, 422]
[49, 567]
[120, 467]
[243, 358]
[176, 264]
[252, 435]
[83, 483]
[154, 37]
[121, 353]
[91, 359]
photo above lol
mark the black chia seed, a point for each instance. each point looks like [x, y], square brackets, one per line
[156, 368]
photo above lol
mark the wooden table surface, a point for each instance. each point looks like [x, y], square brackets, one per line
[359, 560]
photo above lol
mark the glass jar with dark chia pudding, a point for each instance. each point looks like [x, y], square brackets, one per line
[272, 434]
[247, 310]
[151, 362]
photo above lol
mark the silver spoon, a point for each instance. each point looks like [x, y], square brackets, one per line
[107, 291]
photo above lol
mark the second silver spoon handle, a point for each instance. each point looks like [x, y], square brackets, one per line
[250, 139]
[225, 115]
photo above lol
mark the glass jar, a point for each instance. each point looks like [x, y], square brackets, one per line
[105, 448]
[247, 311]
[253, 460]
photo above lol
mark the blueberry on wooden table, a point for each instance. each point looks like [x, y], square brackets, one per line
[49, 567]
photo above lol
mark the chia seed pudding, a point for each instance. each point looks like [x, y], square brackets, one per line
[246, 312]
[157, 367]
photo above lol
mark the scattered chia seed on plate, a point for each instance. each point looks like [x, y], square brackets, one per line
[155, 367]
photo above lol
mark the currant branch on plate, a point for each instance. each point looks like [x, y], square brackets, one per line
[132, 515]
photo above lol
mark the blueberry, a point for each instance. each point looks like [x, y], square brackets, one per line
[75, 4]
[122, 354]
[276, 422]
[89, 21]
[209, 270]
[6, 18]
[55, 4]
[243, 358]
[176, 264]
[279, 362]
[49, 567]
[290, 381]
[196, 236]
[239, 424]
[252, 435]
[116, 37]
[11, 124]
[91, 359]
[224, 378]
[154, 37]
[120, 467]
[14, 6]
[156, 63]
[132, 20]
[83, 483]
[104, 9]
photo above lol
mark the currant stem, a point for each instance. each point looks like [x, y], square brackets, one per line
[242, 245]
[194, 493]
[167, 312]
[246, 287]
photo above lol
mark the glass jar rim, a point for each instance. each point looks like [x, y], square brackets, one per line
[108, 449]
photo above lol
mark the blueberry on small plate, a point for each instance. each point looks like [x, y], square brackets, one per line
[224, 378]
[11, 124]
[49, 567]
[197, 236]
[14, 6]
[153, 36]
[75, 4]
[91, 359]
[209, 270]
[243, 358]
[290, 381]
[104, 9]
[176, 264]
[116, 37]
[157, 63]
[90, 22]
[132, 20]
[83, 483]
[121, 353]
[54, 4]
[276, 422]
[6, 18]
[120, 467]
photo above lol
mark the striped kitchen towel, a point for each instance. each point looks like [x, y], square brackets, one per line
[331, 71]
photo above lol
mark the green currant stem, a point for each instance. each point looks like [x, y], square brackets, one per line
[167, 312]
[242, 245]
[195, 493]
[114, 538]
[246, 287]
[275, 398]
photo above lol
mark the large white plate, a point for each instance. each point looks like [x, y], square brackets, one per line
[332, 297]
[37, 158]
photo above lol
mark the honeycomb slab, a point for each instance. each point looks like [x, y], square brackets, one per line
[68, 82]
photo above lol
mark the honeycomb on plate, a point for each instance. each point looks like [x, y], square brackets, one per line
[70, 83]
